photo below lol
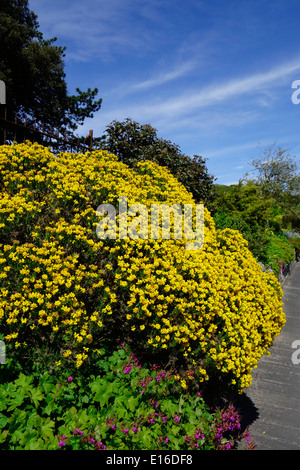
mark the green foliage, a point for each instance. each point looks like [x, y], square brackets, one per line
[256, 236]
[133, 142]
[279, 253]
[245, 201]
[295, 242]
[291, 215]
[242, 207]
[123, 406]
[33, 71]
[276, 173]
[253, 211]
[262, 206]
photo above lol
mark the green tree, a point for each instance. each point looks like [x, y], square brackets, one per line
[243, 207]
[133, 142]
[276, 173]
[244, 199]
[33, 71]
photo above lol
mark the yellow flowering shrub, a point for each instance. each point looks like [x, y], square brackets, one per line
[63, 290]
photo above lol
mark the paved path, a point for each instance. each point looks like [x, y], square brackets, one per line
[272, 402]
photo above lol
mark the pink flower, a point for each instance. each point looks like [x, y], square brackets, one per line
[198, 435]
[100, 446]
[77, 431]
[128, 369]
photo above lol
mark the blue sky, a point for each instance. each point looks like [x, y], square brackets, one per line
[214, 77]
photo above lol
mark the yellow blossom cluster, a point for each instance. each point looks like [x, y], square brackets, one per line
[59, 282]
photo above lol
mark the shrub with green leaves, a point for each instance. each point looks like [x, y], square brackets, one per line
[279, 252]
[295, 242]
[257, 236]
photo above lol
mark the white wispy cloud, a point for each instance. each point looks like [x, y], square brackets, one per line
[220, 92]
[164, 77]
[182, 110]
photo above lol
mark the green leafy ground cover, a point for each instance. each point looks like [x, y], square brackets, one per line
[125, 406]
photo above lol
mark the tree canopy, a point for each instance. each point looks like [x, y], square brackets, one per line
[276, 173]
[33, 71]
[133, 142]
[242, 207]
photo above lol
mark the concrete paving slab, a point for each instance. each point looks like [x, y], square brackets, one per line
[272, 402]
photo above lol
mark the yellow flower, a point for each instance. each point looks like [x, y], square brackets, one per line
[195, 298]
[183, 383]
[67, 353]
